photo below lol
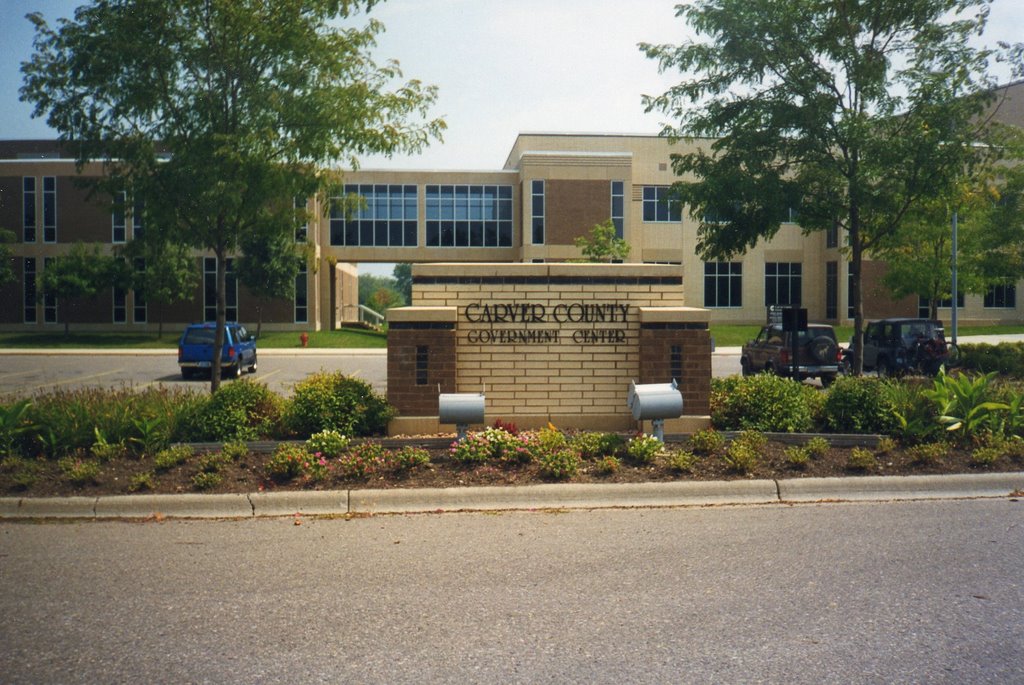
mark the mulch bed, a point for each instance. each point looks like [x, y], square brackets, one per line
[248, 474]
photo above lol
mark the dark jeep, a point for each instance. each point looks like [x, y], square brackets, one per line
[904, 345]
[771, 351]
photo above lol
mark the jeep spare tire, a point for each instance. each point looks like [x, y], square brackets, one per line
[824, 350]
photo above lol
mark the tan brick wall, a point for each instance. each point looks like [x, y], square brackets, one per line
[583, 367]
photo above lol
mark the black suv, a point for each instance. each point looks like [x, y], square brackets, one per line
[771, 351]
[903, 345]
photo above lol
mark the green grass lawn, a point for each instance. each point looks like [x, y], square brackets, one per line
[344, 338]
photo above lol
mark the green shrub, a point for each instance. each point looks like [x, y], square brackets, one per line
[104, 451]
[743, 454]
[330, 443]
[985, 456]
[15, 422]
[560, 464]
[797, 456]
[593, 445]
[142, 481]
[80, 471]
[857, 404]
[167, 459]
[765, 402]
[607, 466]
[817, 447]
[286, 462]
[24, 472]
[885, 446]
[644, 448]
[707, 442]
[1006, 359]
[363, 460]
[206, 480]
[503, 445]
[213, 462]
[928, 453]
[242, 410]
[235, 450]
[339, 402]
[861, 459]
[408, 458]
[472, 449]
[683, 461]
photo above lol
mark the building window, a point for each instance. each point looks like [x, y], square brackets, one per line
[537, 212]
[782, 283]
[387, 217]
[301, 222]
[924, 309]
[791, 216]
[658, 207]
[49, 209]
[469, 216]
[139, 295]
[138, 208]
[210, 290]
[301, 295]
[1001, 297]
[49, 299]
[831, 290]
[120, 310]
[618, 207]
[29, 281]
[117, 225]
[723, 284]
[28, 209]
[832, 236]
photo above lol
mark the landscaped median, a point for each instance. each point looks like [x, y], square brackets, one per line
[365, 502]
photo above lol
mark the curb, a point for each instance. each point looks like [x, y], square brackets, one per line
[530, 497]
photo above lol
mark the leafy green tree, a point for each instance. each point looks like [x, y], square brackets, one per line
[80, 274]
[850, 113]
[602, 244]
[7, 257]
[403, 281]
[379, 293]
[218, 112]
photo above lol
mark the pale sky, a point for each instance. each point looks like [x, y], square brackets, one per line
[502, 67]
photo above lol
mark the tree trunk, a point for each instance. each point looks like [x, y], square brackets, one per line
[856, 264]
[218, 338]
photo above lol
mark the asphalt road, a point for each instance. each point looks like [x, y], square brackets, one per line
[280, 369]
[852, 593]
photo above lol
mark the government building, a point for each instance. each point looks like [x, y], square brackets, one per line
[551, 189]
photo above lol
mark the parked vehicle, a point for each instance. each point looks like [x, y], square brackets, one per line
[771, 351]
[195, 349]
[898, 346]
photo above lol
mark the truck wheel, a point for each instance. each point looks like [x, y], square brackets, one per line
[186, 373]
[824, 350]
[745, 367]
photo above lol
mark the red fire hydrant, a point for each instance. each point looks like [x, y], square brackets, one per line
[304, 338]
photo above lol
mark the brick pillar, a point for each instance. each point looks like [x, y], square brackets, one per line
[421, 357]
[671, 346]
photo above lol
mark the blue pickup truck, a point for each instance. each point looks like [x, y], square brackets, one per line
[195, 350]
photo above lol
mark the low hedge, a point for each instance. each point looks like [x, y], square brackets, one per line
[1006, 359]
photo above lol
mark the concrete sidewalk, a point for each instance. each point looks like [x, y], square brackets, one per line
[526, 498]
